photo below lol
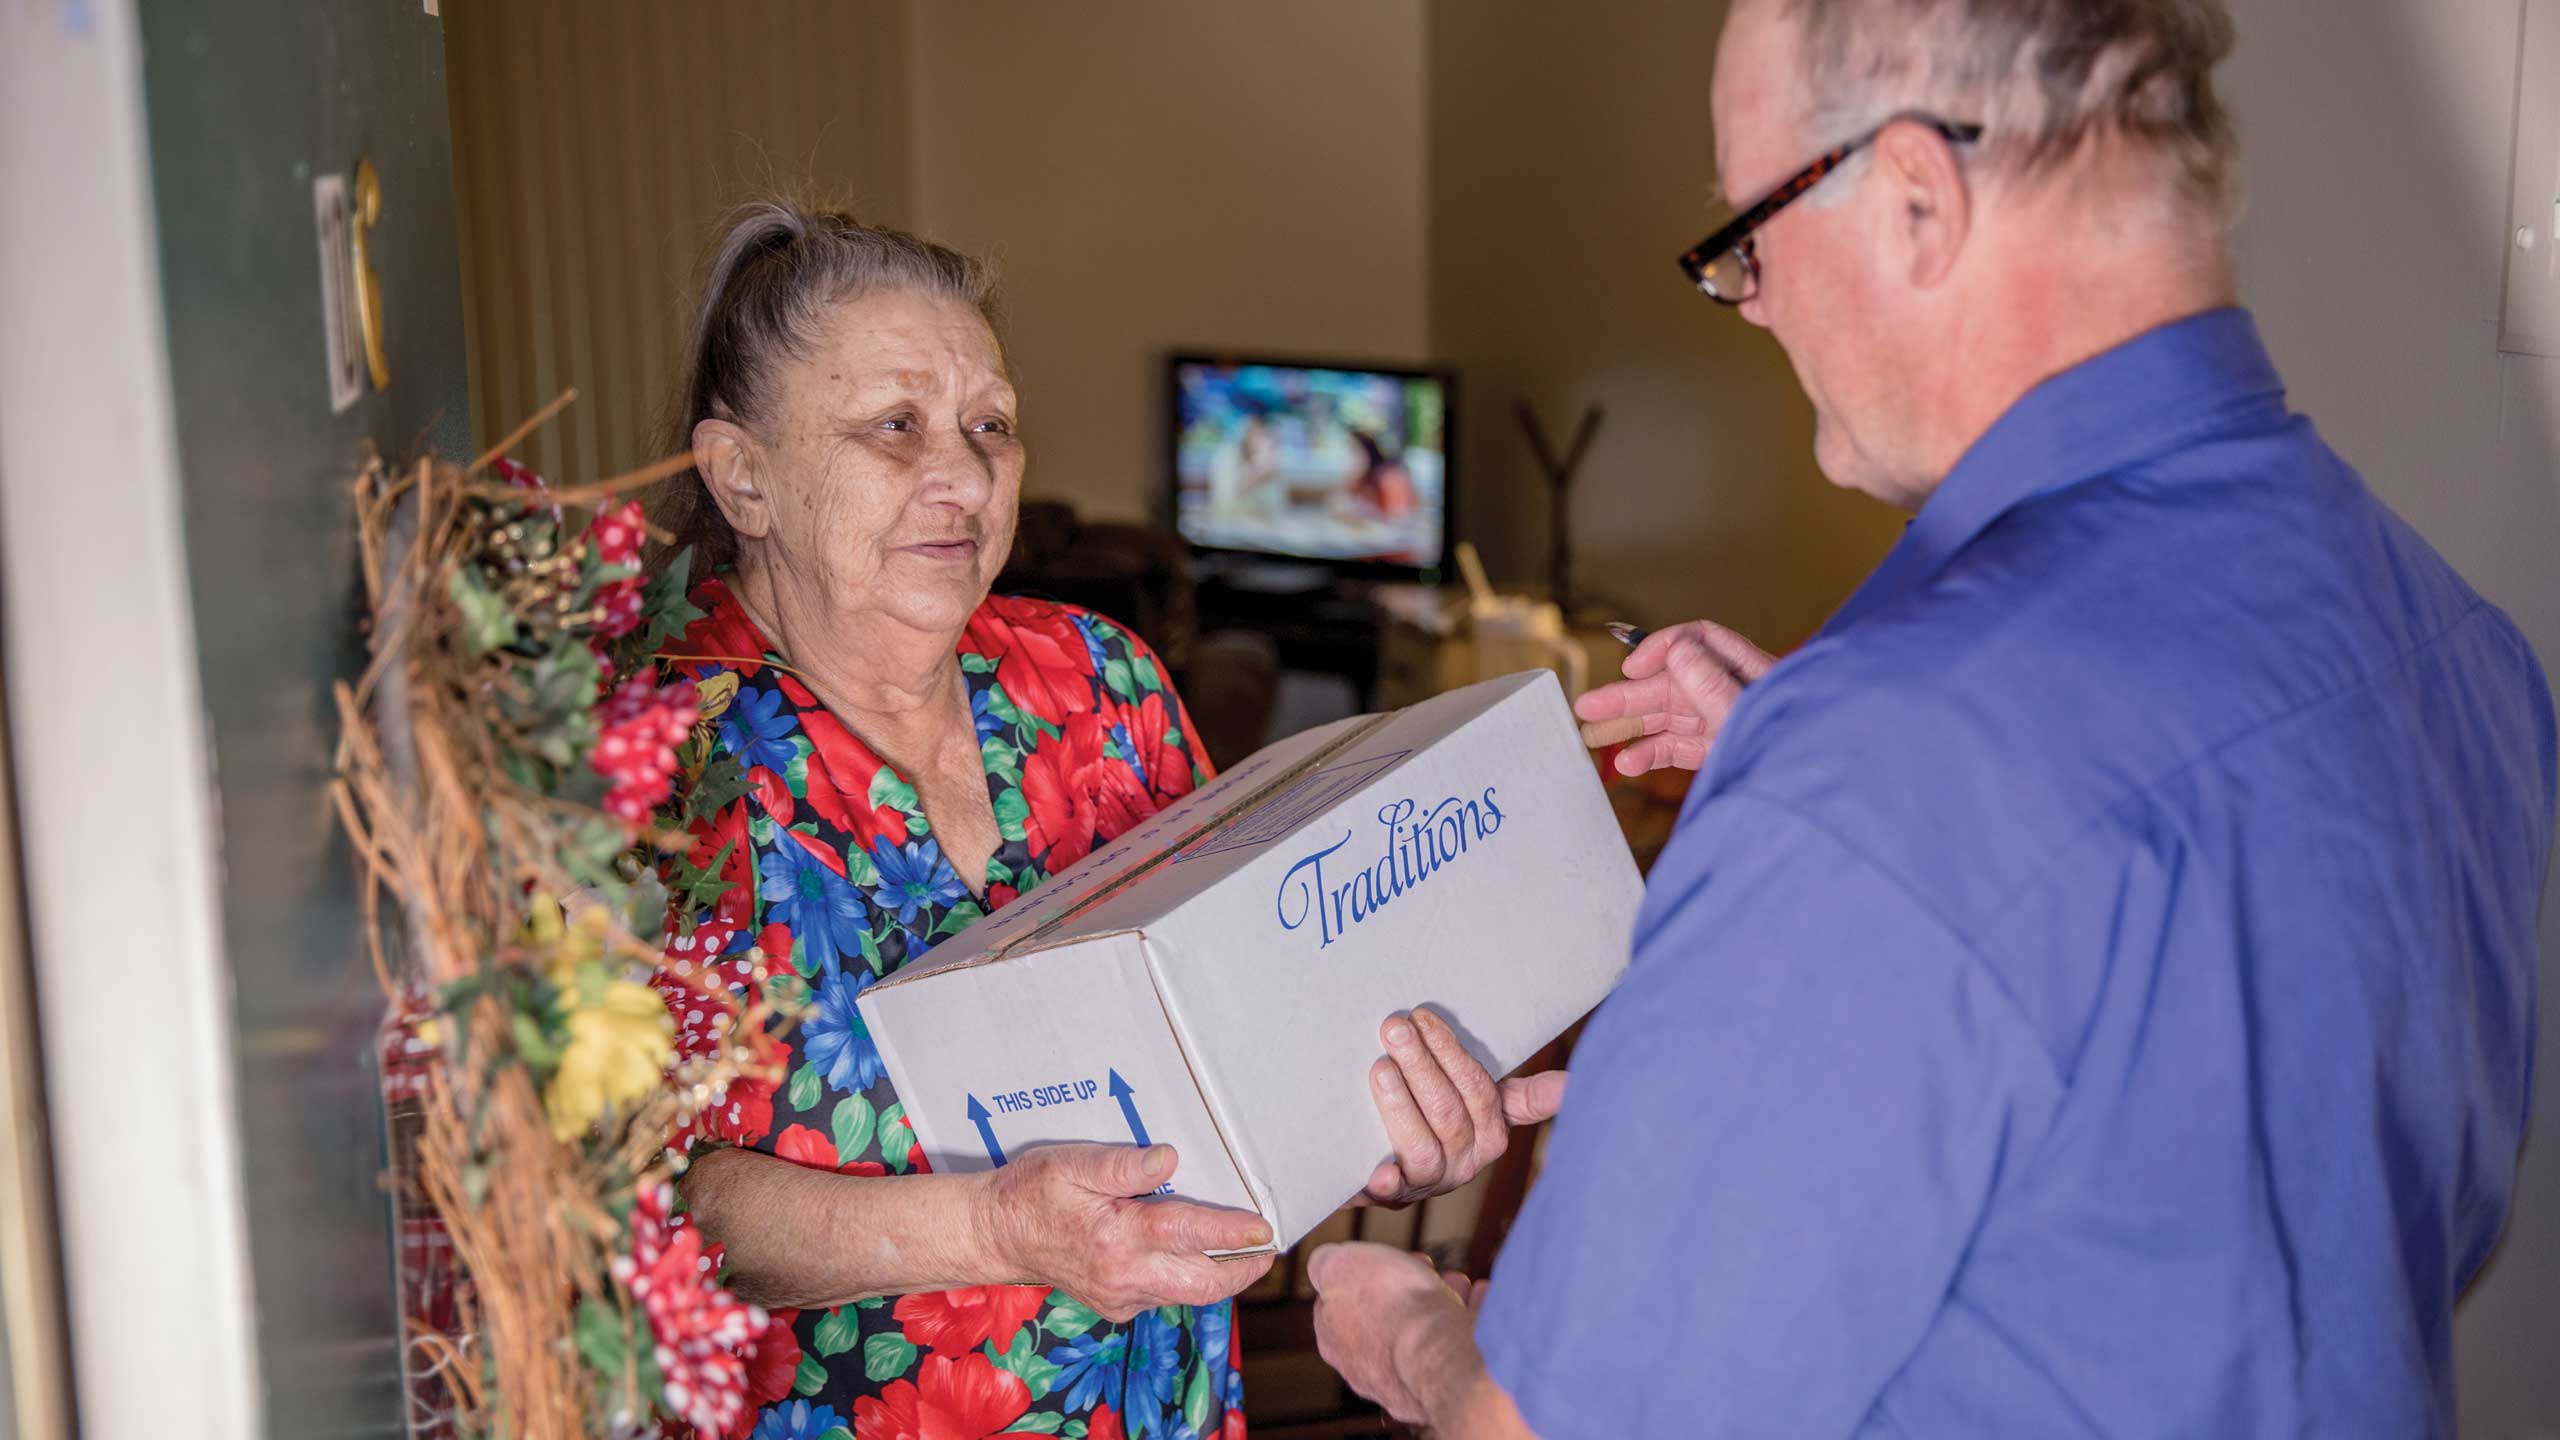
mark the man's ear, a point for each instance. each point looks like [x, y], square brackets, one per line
[726, 456]
[1933, 204]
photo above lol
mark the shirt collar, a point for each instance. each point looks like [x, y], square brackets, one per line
[2158, 392]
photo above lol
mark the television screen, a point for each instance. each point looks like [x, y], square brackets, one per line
[1349, 466]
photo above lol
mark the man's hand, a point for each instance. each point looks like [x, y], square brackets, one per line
[1681, 683]
[1446, 1117]
[1393, 1329]
[1071, 1216]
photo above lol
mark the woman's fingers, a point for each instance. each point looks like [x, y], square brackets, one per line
[1436, 1093]
[1191, 1229]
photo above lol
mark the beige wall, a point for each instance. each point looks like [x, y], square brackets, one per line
[1570, 164]
[1154, 174]
[595, 145]
[2377, 134]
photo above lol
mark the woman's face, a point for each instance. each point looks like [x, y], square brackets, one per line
[887, 478]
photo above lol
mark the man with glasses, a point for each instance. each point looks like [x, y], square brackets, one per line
[2092, 988]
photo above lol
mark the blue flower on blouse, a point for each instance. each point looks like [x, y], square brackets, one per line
[757, 729]
[1090, 1363]
[824, 910]
[1092, 642]
[1127, 750]
[913, 878]
[1155, 1371]
[798, 1420]
[1209, 1335]
[982, 711]
[836, 1040]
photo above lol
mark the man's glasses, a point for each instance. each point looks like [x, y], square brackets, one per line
[1726, 265]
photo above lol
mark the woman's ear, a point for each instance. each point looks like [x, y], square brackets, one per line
[726, 457]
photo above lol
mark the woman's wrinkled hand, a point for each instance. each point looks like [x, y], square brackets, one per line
[1679, 686]
[1070, 1216]
[1445, 1116]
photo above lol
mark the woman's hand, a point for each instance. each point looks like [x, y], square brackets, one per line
[1446, 1117]
[1069, 1216]
[1681, 683]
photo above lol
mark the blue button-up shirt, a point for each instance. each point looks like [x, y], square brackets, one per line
[2091, 989]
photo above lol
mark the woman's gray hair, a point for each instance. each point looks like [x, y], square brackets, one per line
[2043, 77]
[778, 271]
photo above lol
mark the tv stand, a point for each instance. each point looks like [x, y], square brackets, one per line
[1327, 627]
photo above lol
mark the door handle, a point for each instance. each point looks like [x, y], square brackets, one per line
[368, 285]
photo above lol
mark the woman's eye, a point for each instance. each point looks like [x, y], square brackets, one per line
[900, 423]
[993, 427]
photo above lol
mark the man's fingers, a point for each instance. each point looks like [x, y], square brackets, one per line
[1705, 681]
[1417, 1146]
[1475, 1086]
[1601, 735]
[1528, 1099]
[1656, 752]
[1435, 1091]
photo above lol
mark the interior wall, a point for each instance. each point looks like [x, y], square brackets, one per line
[597, 144]
[1571, 162]
[2377, 137]
[1153, 175]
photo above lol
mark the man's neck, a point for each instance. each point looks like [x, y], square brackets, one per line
[2065, 287]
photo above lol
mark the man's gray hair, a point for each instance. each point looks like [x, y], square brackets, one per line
[2043, 77]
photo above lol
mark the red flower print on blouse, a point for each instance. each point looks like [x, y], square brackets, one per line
[773, 1364]
[840, 772]
[773, 794]
[954, 1322]
[1075, 797]
[1105, 1426]
[803, 1146]
[1041, 659]
[1168, 767]
[724, 634]
[963, 1399]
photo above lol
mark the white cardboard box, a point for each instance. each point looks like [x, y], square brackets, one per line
[1215, 978]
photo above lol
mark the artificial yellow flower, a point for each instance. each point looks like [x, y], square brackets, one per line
[619, 1046]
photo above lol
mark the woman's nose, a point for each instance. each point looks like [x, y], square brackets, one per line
[958, 472]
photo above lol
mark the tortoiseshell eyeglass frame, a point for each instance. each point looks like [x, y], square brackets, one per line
[1736, 238]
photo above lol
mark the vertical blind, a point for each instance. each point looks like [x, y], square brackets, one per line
[597, 143]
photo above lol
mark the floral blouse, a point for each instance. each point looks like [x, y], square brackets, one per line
[819, 854]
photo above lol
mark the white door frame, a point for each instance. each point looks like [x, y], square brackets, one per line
[112, 755]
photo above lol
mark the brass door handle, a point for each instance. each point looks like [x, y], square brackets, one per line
[368, 285]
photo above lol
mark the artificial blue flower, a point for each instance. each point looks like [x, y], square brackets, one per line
[1155, 1373]
[913, 878]
[757, 729]
[836, 1040]
[1091, 1363]
[824, 910]
[798, 1420]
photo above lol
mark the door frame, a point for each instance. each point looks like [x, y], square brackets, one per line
[112, 758]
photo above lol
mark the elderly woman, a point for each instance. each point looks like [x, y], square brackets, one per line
[914, 753]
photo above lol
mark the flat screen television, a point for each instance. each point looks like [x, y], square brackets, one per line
[1343, 465]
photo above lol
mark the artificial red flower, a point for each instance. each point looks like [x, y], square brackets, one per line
[803, 1146]
[639, 726]
[963, 1399]
[698, 1327]
[952, 1322]
[773, 1365]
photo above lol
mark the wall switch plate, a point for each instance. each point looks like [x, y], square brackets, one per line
[2532, 321]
